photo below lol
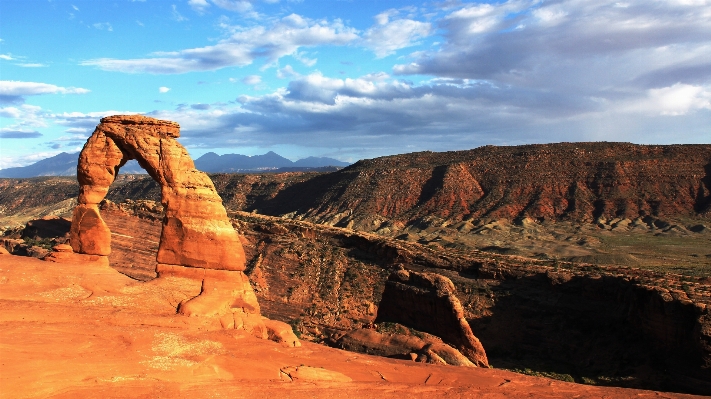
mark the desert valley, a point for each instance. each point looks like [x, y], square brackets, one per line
[556, 270]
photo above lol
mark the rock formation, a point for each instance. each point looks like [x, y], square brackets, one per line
[427, 302]
[423, 349]
[197, 240]
[562, 181]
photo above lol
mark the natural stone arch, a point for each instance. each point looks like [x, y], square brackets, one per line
[197, 241]
[196, 231]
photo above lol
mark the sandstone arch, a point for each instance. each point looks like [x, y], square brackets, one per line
[196, 230]
[197, 240]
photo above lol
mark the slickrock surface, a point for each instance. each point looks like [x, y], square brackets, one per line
[428, 302]
[607, 325]
[82, 330]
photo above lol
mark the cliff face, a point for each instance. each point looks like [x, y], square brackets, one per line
[575, 181]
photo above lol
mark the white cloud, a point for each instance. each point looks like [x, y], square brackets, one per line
[103, 25]
[176, 15]
[6, 57]
[384, 17]
[284, 37]
[387, 37]
[679, 99]
[24, 160]
[25, 117]
[602, 57]
[163, 89]
[12, 91]
[234, 5]
[75, 7]
[252, 79]
[301, 57]
[32, 65]
[286, 72]
[199, 5]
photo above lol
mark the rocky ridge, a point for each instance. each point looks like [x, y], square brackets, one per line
[564, 181]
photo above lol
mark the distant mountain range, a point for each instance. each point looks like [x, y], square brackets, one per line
[212, 162]
[65, 164]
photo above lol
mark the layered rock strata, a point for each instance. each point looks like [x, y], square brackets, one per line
[427, 302]
[562, 181]
[197, 240]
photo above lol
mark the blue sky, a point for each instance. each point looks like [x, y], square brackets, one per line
[355, 79]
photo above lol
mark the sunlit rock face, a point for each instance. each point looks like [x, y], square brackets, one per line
[196, 230]
[197, 241]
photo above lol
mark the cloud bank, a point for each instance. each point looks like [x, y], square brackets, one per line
[15, 91]
[284, 37]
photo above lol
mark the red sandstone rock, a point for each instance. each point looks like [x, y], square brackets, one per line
[308, 373]
[89, 232]
[197, 240]
[196, 231]
[424, 350]
[427, 302]
[82, 330]
[62, 248]
[281, 332]
[569, 181]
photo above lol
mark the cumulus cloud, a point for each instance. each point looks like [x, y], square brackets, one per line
[12, 91]
[252, 80]
[6, 57]
[163, 89]
[366, 112]
[199, 5]
[602, 55]
[286, 72]
[676, 100]
[103, 26]
[371, 115]
[284, 37]
[388, 36]
[519, 40]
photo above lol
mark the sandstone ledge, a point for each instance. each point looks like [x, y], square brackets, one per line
[72, 330]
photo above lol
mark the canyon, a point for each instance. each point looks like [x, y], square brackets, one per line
[528, 237]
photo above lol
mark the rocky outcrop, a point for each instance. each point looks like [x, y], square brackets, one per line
[197, 240]
[419, 348]
[196, 231]
[427, 302]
